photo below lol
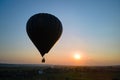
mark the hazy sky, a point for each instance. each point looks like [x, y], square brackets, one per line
[90, 27]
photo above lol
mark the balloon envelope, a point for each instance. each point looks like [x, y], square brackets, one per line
[44, 30]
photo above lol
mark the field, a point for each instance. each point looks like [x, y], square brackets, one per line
[54, 72]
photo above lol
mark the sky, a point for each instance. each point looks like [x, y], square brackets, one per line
[90, 28]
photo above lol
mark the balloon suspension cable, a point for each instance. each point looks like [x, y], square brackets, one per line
[43, 60]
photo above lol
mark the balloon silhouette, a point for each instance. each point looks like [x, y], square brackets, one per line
[44, 30]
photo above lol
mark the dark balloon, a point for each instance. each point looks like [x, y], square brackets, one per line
[44, 30]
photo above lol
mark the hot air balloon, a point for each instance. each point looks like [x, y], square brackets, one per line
[44, 30]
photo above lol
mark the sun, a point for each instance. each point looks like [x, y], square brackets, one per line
[77, 56]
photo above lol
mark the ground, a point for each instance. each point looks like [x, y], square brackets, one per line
[55, 72]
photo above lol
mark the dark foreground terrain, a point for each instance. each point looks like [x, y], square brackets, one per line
[52, 72]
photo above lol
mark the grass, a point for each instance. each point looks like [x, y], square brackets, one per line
[59, 73]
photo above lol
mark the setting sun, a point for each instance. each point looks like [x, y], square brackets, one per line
[77, 56]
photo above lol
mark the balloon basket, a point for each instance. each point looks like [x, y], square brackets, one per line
[43, 60]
